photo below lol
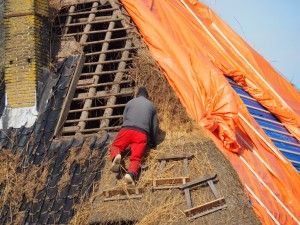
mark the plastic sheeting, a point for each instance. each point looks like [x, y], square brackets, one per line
[195, 48]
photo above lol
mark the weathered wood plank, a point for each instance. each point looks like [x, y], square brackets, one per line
[198, 181]
[175, 157]
[130, 191]
[204, 207]
[93, 22]
[170, 181]
[97, 31]
[97, 108]
[70, 94]
[122, 197]
[104, 94]
[106, 41]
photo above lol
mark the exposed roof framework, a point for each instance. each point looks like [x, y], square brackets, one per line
[100, 88]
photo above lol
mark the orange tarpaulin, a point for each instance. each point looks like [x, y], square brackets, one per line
[195, 48]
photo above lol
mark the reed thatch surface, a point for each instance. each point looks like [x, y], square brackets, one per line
[178, 135]
[167, 206]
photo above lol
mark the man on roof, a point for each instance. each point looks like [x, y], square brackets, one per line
[139, 128]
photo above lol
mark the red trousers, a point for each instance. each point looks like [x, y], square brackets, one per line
[137, 141]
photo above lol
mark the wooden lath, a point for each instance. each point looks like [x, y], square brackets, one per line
[98, 32]
[106, 36]
[104, 94]
[88, 22]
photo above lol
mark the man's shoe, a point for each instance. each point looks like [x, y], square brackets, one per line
[129, 179]
[115, 166]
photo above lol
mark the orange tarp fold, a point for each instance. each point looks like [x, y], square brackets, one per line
[195, 48]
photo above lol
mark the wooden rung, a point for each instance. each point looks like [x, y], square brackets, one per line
[168, 187]
[130, 191]
[92, 22]
[70, 129]
[103, 94]
[104, 84]
[97, 18]
[94, 118]
[96, 32]
[107, 40]
[175, 157]
[108, 61]
[123, 93]
[103, 72]
[97, 108]
[204, 207]
[85, 82]
[83, 95]
[112, 50]
[191, 218]
[93, 130]
[170, 181]
[122, 197]
[198, 181]
[67, 3]
[88, 12]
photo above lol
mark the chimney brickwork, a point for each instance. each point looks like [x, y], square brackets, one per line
[26, 49]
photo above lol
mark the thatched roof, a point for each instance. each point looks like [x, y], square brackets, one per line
[44, 179]
[178, 135]
[47, 179]
[167, 206]
[61, 181]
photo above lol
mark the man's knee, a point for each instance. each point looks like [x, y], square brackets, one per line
[114, 150]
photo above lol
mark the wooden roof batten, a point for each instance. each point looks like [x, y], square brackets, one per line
[103, 80]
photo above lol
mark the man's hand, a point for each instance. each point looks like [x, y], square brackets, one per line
[152, 145]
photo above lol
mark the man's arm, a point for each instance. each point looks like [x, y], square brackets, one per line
[153, 131]
[125, 112]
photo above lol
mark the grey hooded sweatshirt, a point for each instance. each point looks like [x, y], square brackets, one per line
[140, 114]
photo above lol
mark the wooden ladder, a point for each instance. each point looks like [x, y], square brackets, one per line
[204, 209]
[171, 182]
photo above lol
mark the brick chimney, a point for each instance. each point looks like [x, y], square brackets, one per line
[26, 53]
